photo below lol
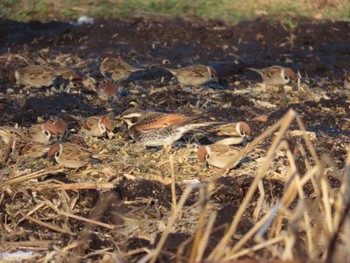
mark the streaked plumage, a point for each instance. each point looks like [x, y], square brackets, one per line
[107, 88]
[98, 126]
[117, 68]
[194, 75]
[218, 155]
[157, 129]
[70, 155]
[34, 75]
[229, 133]
[41, 133]
[275, 75]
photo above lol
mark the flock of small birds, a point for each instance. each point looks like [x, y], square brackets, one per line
[54, 140]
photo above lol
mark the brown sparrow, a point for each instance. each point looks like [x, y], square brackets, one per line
[34, 75]
[32, 149]
[347, 81]
[98, 126]
[41, 133]
[275, 75]
[107, 88]
[117, 68]
[68, 74]
[218, 155]
[70, 155]
[157, 129]
[194, 75]
[61, 128]
[229, 133]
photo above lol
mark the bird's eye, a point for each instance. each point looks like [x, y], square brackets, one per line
[286, 77]
[57, 154]
[242, 133]
[207, 156]
[134, 119]
[47, 133]
[102, 127]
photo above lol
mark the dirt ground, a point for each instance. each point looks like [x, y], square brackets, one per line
[137, 205]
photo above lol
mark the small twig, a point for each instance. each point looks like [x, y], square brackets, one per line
[246, 251]
[283, 125]
[36, 208]
[26, 177]
[201, 221]
[43, 244]
[204, 240]
[343, 209]
[171, 222]
[74, 186]
[49, 226]
[79, 217]
[173, 182]
[6, 152]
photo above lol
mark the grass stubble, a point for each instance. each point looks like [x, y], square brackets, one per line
[277, 231]
[319, 220]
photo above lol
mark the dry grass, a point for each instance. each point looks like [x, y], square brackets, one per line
[229, 10]
[292, 223]
[60, 220]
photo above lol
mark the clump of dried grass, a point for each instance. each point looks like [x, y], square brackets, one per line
[297, 225]
[294, 226]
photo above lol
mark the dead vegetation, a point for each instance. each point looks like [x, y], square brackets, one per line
[287, 200]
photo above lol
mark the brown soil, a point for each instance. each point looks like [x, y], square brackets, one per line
[139, 207]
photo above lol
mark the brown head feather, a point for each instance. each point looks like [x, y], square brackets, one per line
[289, 72]
[201, 153]
[52, 151]
[107, 123]
[245, 127]
[61, 127]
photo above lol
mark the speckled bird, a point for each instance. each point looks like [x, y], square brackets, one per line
[159, 129]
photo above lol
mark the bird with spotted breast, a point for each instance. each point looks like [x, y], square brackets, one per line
[159, 129]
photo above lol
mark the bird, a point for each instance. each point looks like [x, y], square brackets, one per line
[68, 74]
[275, 75]
[159, 129]
[98, 126]
[32, 149]
[218, 155]
[61, 128]
[117, 68]
[347, 81]
[231, 129]
[107, 88]
[195, 75]
[41, 133]
[34, 75]
[70, 155]
[229, 133]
